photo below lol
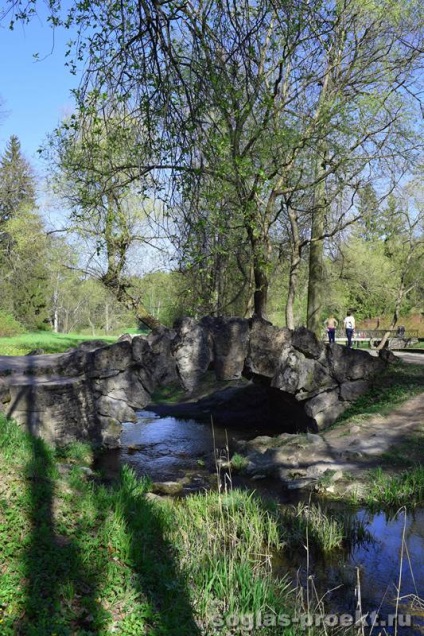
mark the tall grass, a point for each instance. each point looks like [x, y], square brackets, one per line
[402, 489]
[325, 531]
[233, 538]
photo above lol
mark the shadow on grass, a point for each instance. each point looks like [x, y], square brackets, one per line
[60, 589]
[78, 578]
[156, 576]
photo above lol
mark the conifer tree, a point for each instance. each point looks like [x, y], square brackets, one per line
[17, 181]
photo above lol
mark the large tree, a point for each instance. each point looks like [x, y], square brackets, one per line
[108, 212]
[25, 277]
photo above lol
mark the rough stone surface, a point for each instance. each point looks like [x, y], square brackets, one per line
[89, 391]
[192, 351]
[153, 355]
[335, 455]
[265, 346]
[230, 345]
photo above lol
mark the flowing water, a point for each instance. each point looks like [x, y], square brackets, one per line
[170, 449]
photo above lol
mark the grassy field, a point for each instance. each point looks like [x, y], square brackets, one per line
[48, 341]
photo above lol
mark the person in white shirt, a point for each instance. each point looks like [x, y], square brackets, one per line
[349, 325]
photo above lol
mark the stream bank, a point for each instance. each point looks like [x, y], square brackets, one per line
[179, 456]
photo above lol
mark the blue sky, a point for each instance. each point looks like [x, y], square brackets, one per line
[35, 94]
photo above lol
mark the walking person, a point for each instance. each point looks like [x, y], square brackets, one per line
[349, 325]
[331, 325]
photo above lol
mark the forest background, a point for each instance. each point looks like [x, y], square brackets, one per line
[227, 159]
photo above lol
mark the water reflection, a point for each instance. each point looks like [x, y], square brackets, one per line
[167, 448]
[392, 562]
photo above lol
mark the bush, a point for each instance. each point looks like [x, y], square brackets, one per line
[9, 326]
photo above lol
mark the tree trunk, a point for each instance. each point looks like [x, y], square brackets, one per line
[116, 251]
[316, 257]
[295, 260]
[316, 269]
[260, 296]
[144, 316]
[261, 251]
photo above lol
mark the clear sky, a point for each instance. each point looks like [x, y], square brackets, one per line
[34, 94]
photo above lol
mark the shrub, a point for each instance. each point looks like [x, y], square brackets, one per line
[9, 326]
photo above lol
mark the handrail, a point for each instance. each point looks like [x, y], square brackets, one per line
[377, 333]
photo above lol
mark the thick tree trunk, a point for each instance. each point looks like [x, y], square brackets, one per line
[260, 296]
[316, 273]
[261, 250]
[295, 260]
[119, 289]
[291, 295]
[116, 252]
[316, 257]
[145, 317]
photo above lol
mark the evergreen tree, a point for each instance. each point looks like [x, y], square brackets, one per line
[17, 181]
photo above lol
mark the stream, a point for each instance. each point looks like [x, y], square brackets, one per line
[172, 449]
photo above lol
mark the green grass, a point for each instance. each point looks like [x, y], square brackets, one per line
[48, 341]
[238, 462]
[398, 383]
[403, 489]
[324, 531]
[79, 557]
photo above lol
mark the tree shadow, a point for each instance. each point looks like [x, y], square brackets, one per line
[157, 575]
[62, 583]
[59, 588]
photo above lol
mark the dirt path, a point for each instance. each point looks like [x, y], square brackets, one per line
[369, 438]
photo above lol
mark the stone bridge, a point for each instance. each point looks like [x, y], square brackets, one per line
[87, 393]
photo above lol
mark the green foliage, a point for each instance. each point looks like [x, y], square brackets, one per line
[24, 287]
[9, 326]
[164, 295]
[368, 282]
[238, 462]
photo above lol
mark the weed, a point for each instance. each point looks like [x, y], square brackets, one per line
[326, 531]
[405, 488]
[238, 462]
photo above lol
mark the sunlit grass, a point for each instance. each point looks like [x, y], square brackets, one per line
[49, 342]
[403, 489]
